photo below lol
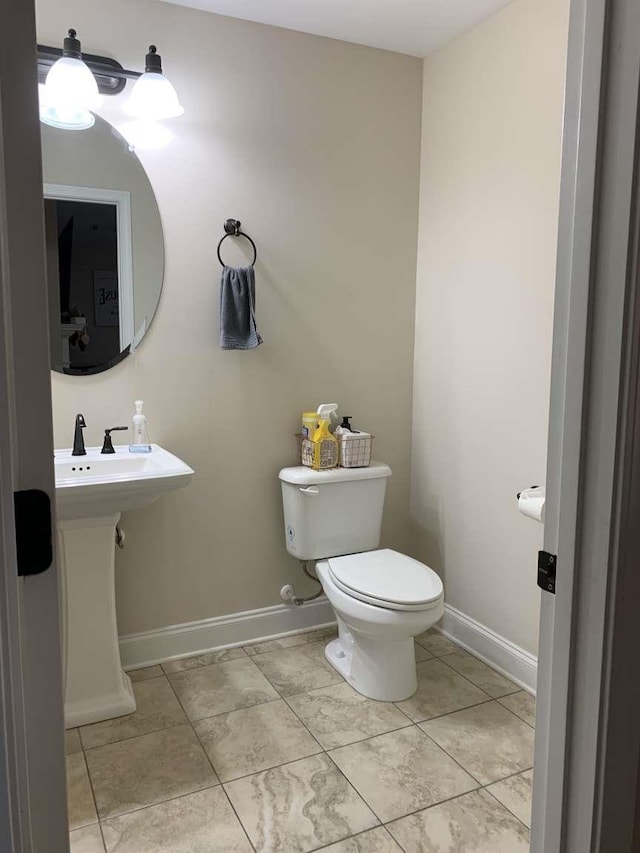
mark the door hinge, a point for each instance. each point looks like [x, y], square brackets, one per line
[547, 571]
[34, 544]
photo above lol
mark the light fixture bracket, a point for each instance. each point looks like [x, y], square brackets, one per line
[110, 76]
[153, 60]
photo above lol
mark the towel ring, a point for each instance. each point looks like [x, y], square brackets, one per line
[232, 229]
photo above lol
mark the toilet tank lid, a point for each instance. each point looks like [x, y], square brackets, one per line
[303, 476]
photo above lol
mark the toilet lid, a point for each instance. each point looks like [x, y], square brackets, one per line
[386, 577]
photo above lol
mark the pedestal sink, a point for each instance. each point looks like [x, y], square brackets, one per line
[91, 493]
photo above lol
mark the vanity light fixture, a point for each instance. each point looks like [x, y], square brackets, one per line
[73, 83]
[153, 97]
[70, 90]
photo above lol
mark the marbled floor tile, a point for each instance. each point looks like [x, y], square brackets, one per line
[373, 841]
[72, 741]
[325, 634]
[86, 840]
[220, 656]
[221, 687]
[82, 810]
[480, 674]
[435, 643]
[401, 772]
[295, 670]
[488, 741]
[523, 704]
[421, 653]
[145, 673]
[474, 823]
[254, 739]
[145, 770]
[515, 794]
[440, 691]
[198, 823]
[338, 715]
[157, 708]
[299, 807]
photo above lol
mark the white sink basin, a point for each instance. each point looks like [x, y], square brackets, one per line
[102, 484]
[91, 493]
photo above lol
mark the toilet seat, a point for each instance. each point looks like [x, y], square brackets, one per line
[387, 579]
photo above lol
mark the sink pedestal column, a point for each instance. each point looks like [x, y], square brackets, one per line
[96, 687]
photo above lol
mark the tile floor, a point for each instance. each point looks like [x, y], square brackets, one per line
[266, 748]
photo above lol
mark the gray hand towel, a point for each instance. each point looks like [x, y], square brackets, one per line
[237, 309]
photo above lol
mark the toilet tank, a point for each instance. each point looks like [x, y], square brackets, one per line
[330, 513]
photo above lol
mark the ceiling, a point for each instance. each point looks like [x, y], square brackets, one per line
[415, 27]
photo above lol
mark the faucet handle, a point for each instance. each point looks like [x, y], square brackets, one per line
[108, 447]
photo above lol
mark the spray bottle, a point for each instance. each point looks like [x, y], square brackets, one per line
[325, 444]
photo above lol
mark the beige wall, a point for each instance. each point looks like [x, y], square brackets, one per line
[492, 114]
[314, 144]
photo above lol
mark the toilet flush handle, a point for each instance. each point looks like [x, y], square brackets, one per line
[310, 490]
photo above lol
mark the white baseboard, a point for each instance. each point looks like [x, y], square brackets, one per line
[517, 664]
[236, 629]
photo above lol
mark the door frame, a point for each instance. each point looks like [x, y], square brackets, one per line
[121, 200]
[587, 740]
[33, 813]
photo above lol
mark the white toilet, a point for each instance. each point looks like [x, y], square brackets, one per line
[382, 599]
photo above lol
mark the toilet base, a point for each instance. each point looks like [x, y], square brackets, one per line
[385, 671]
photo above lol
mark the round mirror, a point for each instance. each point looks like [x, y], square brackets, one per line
[105, 249]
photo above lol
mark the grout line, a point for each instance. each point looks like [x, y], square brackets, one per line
[156, 804]
[519, 718]
[355, 788]
[93, 793]
[516, 688]
[264, 770]
[162, 664]
[284, 648]
[462, 767]
[454, 711]
[104, 843]
[357, 835]
[491, 794]
[243, 827]
[290, 649]
[468, 772]
[142, 808]
[132, 737]
[208, 757]
[360, 740]
[468, 680]
[513, 712]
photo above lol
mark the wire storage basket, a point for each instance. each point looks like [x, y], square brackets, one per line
[355, 450]
[305, 450]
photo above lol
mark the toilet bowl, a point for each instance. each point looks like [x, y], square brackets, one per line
[382, 600]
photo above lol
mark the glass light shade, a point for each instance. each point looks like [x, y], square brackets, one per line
[69, 81]
[145, 135]
[65, 115]
[154, 98]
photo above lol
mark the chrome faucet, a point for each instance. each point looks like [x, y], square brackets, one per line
[78, 438]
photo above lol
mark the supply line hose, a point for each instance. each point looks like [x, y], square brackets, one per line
[291, 596]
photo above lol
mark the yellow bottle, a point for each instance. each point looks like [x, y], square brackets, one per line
[325, 444]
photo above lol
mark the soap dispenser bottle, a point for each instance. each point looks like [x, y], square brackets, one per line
[140, 443]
